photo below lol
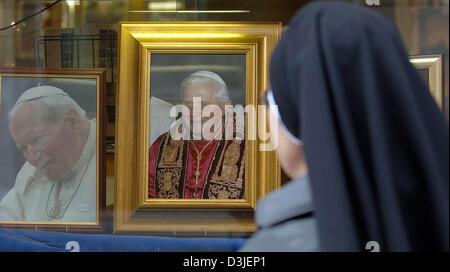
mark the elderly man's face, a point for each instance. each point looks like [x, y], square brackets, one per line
[45, 144]
[207, 92]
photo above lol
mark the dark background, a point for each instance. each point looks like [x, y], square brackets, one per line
[168, 70]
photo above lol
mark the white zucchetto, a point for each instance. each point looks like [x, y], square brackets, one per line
[211, 75]
[40, 91]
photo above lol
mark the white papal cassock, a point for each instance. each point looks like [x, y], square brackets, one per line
[35, 198]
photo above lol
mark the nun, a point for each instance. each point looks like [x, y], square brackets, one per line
[364, 142]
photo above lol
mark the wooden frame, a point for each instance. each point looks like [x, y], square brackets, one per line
[134, 212]
[433, 64]
[67, 77]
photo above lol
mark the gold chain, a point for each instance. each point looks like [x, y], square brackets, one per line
[55, 211]
[199, 157]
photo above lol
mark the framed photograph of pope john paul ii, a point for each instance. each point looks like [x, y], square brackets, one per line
[187, 165]
[52, 142]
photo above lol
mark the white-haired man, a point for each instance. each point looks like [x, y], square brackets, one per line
[57, 183]
[198, 168]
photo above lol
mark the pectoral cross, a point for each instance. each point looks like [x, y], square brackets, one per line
[199, 157]
[197, 170]
[197, 174]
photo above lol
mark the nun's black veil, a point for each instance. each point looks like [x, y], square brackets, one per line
[375, 142]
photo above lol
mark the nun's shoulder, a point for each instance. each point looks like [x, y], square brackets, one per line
[292, 200]
[285, 221]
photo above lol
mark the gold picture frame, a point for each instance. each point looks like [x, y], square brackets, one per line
[86, 87]
[133, 211]
[432, 64]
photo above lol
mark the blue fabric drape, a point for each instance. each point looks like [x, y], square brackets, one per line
[12, 240]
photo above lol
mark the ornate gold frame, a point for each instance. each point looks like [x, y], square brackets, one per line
[433, 63]
[133, 211]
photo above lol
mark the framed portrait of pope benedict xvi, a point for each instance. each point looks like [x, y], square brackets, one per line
[192, 152]
[53, 154]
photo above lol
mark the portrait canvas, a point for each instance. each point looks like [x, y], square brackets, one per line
[196, 167]
[51, 139]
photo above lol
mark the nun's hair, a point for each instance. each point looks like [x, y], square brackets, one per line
[55, 108]
[221, 92]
